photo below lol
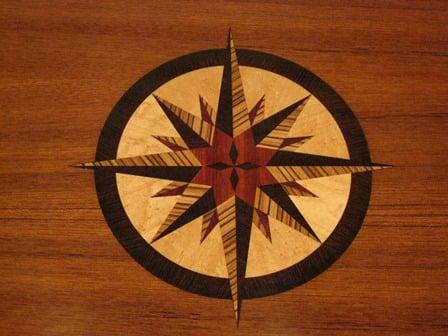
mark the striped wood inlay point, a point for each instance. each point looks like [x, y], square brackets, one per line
[227, 223]
[240, 113]
[169, 159]
[295, 173]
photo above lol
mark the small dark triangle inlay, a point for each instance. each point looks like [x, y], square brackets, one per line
[291, 141]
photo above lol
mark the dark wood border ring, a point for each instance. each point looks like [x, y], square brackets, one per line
[277, 282]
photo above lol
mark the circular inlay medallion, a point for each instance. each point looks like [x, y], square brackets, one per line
[233, 173]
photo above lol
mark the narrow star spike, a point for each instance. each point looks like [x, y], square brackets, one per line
[295, 189]
[240, 113]
[232, 96]
[261, 221]
[173, 143]
[178, 166]
[207, 112]
[172, 189]
[296, 173]
[271, 132]
[283, 158]
[232, 216]
[183, 174]
[224, 117]
[274, 202]
[257, 113]
[195, 132]
[187, 208]
[227, 223]
[170, 159]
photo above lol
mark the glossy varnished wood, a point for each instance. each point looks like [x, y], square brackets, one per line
[64, 65]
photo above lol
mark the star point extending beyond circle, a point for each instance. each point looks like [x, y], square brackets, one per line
[233, 166]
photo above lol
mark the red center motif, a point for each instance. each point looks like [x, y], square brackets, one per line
[234, 166]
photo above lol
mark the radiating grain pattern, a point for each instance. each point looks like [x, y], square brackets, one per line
[64, 65]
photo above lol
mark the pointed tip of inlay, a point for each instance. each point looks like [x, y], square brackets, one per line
[301, 102]
[160, 100]
[316, 238]
[295, 141]
[82, 165]
[156, 237]
[305, 100]
[378, 166]
[237, 311]
[299, 105]
[230, 43]
[237, 318]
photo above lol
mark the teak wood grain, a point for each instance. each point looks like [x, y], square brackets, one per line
[65, 64]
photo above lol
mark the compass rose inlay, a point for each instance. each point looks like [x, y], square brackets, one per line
[232, 167]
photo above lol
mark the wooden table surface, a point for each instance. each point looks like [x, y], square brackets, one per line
[64, 64]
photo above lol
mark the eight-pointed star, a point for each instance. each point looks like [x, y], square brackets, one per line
[234, 167]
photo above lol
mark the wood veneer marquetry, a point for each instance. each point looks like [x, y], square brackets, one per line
[183, 248]
[253, 166]
[64, 67]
